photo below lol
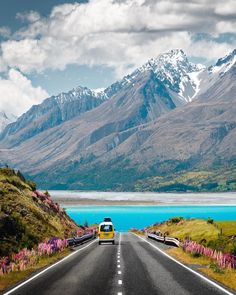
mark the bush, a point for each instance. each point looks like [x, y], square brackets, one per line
[219, 244]
[215, 267]
[196, 255]
[176, 219]
[210, 220]
[32, 184]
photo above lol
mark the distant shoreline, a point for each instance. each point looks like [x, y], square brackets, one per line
[78, 198]
[87, 202]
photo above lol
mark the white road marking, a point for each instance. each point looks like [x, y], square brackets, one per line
[46, 269]
[186, 267]
[118, 261]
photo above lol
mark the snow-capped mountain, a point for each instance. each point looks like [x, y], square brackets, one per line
[206, 78]
[54, 111]
[173, 69]
[6, 119]
[79, 93]
[168, 115]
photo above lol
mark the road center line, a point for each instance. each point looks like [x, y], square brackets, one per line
[186, 267]
[46, 269]
[119, 282]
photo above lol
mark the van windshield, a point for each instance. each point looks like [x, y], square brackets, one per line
[106, 227]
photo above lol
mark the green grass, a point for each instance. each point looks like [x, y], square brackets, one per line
[25, 220]
[192, 181]
[217, 235]
[228, 227]
[196, 229]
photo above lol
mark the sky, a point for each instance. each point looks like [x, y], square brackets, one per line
[51, 46]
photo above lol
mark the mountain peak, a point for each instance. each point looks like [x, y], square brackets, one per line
[172, 68]
[227, 58]
[224, 64]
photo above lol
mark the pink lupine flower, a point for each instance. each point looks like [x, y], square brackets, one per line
[224, 260]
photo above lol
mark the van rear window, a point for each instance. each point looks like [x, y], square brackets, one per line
[106, 227]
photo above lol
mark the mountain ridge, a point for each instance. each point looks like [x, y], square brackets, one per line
[143, 129]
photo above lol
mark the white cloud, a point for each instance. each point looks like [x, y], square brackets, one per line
[226, 26]
[5, 32]
[226, 7]
[117, 33]
[17, 93]
[30, 16]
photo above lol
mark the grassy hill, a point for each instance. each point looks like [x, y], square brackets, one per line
[219, 235]
[27, 216]
[192, 181]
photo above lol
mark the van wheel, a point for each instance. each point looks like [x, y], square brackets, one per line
[99, 243]
[113, 242]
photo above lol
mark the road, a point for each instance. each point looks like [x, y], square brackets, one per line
[132, 266]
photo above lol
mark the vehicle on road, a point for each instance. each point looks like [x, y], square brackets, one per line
[107, 219]
[106, 232]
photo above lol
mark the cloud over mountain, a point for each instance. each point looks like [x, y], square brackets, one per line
[18, 93]
[118, 34]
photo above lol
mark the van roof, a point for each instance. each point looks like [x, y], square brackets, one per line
[106, 223]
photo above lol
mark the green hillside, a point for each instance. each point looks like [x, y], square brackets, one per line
[27, 217]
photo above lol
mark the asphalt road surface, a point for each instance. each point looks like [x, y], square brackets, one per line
[132, 266]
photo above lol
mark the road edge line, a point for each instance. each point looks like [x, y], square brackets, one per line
[186, 267]
[46, 269]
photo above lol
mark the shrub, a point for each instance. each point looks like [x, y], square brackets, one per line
[210, 220]
[196, 254]
[176, 219]
[32, 184]
[215, 267]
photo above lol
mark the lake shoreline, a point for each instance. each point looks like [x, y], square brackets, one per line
[78, 198]
[97, 202]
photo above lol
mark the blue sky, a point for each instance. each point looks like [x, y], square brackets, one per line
[51, 46]
[53, 81]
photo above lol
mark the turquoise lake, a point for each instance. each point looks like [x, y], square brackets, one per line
[126, 217]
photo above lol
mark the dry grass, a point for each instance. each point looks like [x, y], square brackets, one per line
[197, 229]
[227, 278]
[13, 278]
[228, 227]
[186, 258]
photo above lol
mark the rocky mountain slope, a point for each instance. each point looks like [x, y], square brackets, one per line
[52, 112]
[6, 119]
[167, 117]
[27, 217]
[171, 70]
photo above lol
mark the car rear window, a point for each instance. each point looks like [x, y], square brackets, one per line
[106, 227]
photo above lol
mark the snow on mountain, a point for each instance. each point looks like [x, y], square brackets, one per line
[173, 69]
[210, 75]
[78, 93]
[6, 119]
[224, 64]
